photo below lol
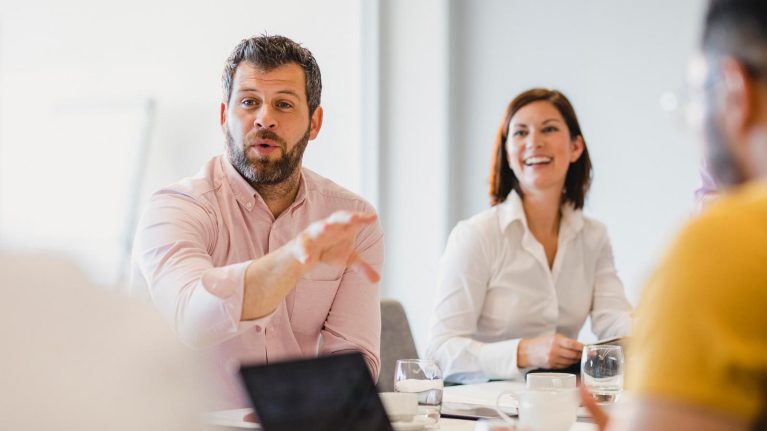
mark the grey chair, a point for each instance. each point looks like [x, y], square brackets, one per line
[396, 342]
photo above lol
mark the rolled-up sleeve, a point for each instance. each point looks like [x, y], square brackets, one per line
[172, 253]
[611, 311]
[354, 320]
[462, 282]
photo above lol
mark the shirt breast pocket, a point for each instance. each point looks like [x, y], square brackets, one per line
[311, 304]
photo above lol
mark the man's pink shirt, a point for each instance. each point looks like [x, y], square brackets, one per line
[193, 245]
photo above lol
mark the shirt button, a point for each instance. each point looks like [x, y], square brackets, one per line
[249, 205]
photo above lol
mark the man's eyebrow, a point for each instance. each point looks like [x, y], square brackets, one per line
[255, 90]
[290, 92]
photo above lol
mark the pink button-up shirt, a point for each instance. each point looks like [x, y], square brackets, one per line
[193, 245]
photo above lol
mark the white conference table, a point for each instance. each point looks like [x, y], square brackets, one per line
[482, 394]
[232, 420]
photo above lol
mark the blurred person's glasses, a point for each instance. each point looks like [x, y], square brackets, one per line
[689, 103]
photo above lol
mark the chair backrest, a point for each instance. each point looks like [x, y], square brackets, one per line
[396, 342]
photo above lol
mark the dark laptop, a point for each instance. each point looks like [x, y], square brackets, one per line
[329, 393]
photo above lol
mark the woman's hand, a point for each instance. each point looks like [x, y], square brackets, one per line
[548, 351]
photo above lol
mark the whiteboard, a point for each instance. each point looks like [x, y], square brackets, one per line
[73, 185]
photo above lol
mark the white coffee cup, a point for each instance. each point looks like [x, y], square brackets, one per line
[543, 409]
[400, 406]
[555, 381]
[546, 410]
[560, 382]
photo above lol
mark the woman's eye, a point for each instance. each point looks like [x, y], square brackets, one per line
[519, 133]
[550, 129]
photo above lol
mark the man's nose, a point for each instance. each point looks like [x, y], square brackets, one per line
[265, 118]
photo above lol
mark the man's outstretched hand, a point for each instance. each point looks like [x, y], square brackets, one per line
[331, 241]
[270, 278]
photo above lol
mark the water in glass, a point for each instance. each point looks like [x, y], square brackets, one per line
[602, 372]
[423, 377]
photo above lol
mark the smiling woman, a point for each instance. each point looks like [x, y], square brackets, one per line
[556, 123]
[517, 282]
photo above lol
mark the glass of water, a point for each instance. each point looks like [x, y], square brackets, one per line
[602, 372]
[423, 377]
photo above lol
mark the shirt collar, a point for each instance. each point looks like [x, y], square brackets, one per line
[301, 195]
[243, 192]
[511, 210]
[247, 196]
[572, 219]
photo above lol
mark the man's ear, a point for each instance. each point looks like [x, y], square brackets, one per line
[738, 96]
[222, 115]
[315, 123]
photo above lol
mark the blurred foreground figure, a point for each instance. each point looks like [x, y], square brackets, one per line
[699, 355]
[75, 357]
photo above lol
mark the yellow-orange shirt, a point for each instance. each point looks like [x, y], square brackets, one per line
[701, 328]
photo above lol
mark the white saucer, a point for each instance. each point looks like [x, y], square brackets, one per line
[418, 423]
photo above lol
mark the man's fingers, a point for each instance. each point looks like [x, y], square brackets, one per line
[351, 218]
[343, 222]
[599, 415]
[365, 268]
[332, 239]
[364, 218]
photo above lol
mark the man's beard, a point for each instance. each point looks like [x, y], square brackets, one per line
[719, 157]
[263, 171]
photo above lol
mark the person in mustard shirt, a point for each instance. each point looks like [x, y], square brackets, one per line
[698, 359]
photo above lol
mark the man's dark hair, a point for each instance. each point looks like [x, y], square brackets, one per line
[738, 28]
[502, 178]
[268, 53]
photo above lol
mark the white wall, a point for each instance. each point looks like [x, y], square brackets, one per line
[413, 162]
[614, 59]
[109, 53]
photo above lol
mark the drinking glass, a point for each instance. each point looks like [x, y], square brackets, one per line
[602, 372]
[424, 378]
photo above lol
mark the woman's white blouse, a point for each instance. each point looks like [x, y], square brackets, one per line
[494, 287]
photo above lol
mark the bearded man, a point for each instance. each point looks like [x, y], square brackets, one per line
[257, 259]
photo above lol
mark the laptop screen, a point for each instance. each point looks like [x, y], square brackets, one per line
[328, 393]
